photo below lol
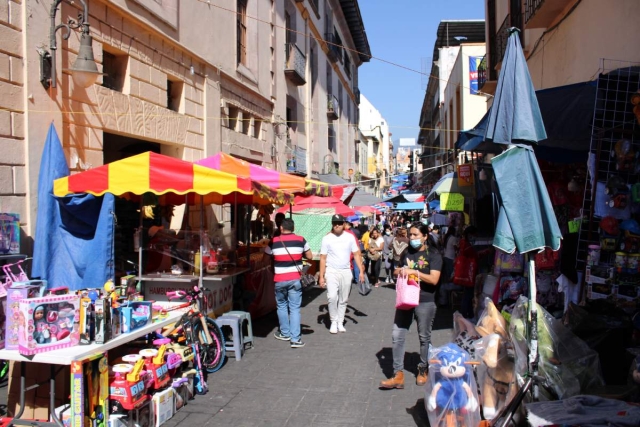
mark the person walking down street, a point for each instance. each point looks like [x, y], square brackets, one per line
[335, 270]
[422, 264]
[387, 254]
[376, 247]
[287, 250]
[398, 245]
[364, 238]
[434, 237]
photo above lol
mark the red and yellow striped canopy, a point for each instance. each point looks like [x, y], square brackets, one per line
[163, 175]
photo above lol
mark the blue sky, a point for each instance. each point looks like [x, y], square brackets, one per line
[404, 32]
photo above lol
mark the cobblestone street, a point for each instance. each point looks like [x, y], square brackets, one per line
[332, 381]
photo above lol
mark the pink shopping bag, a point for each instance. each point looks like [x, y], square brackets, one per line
[407, 293]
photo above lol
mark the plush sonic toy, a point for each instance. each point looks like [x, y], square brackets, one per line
[451, 391]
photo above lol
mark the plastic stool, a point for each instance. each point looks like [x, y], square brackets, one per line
[247, 333]
[235, 344]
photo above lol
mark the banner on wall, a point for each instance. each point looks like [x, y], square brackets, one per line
[474, 62]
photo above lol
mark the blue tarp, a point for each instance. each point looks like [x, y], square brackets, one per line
[74, 234]
[410, 206]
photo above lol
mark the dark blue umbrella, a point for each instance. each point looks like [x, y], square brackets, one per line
[515, 115]
[526, 221]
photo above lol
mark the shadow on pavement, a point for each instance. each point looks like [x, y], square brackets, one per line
[385, 360]
[419, 413]
[444, 319]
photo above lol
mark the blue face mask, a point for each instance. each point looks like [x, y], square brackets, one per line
[416, 243]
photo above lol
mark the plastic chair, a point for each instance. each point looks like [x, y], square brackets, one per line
[235, 344]
[247, 328]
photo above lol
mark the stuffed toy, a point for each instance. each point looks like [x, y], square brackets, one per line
[497, 373]
[452, 395]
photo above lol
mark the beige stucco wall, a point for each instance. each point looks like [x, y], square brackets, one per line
[595, 30]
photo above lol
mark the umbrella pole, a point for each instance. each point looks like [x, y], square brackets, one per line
[533, 324]
[201, 240]
[140, 246]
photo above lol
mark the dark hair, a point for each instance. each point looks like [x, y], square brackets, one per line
[436, 227]
[279, 216]
[287, 224]
[424, 230]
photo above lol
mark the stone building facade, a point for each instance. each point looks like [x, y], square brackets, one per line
[184, 78]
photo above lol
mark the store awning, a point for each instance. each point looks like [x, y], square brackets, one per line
[360, 198]
[172, 178]
[567, 113]
[274, 179]
[411, 206]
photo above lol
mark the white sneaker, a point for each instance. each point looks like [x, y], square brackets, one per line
[334, 328]
[341, 327]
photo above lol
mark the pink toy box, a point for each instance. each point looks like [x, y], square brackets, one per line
[19, 291]
[48, 323]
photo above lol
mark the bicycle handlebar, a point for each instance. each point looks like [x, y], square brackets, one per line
[176, 294]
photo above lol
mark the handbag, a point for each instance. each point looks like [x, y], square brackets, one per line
[364, 287]
[407, 293]
[376, 255]
[306, 280]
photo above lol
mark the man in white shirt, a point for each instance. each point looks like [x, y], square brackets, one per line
[335, 270]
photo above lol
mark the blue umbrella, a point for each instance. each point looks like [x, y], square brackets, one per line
[526, 221]
[515, 113]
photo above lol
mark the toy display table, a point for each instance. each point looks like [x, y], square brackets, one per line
[76, 357]
[217, 288]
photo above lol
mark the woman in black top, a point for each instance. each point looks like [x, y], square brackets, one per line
[423, 265]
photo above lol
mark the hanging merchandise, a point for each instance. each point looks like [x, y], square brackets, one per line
[508, 263]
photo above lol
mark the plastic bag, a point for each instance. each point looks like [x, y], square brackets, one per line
[407, 292]
[496, 373]
[364, 287]
[451, 397]
[567, 363]
[464, 333]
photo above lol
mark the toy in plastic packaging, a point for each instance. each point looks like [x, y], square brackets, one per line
[496, 373]
[451, 397]
[567, 364]
[464, 333]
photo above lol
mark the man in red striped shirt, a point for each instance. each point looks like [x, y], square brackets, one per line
[287, 250]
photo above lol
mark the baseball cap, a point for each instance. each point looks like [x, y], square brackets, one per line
[337, 218]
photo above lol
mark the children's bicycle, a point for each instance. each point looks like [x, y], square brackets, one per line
[196, 328]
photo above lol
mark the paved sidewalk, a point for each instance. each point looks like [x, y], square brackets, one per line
[332, 381]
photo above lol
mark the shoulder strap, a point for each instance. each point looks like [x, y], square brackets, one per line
[290, 256]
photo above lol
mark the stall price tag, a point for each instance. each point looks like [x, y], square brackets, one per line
[452, 202]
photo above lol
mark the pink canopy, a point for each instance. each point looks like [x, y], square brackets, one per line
[320, 205]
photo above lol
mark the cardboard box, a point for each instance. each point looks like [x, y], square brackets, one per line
[103, 320]
[36, 400]
[48, 323]
[163, 406]
[628, 292]
[9, 233]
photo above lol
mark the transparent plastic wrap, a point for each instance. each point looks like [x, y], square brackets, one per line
[465, 334]
[566, 362]
[451, 399]
[496, 373]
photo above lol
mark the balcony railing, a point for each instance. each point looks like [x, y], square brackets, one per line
[356, 92]
[542, 13]
[295, 65]
[502, 35]
[333, 107]
[335, 51]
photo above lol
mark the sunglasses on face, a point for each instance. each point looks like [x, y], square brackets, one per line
[338, 224]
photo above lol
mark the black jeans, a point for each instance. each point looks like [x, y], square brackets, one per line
[424, 314]
[374, 271]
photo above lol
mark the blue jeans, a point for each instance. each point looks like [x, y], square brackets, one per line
[288, 300]
[424, 314]
[356, 270]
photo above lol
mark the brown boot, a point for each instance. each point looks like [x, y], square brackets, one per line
[421, 378]
[396, 382]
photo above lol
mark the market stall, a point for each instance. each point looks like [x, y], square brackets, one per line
[175, 182]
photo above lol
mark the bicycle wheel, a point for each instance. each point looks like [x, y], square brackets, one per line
[211, 356]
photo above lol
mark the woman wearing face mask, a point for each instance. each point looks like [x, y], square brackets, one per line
[422, 265]
[387, 254]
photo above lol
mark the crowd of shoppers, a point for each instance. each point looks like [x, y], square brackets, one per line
[427, 254]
